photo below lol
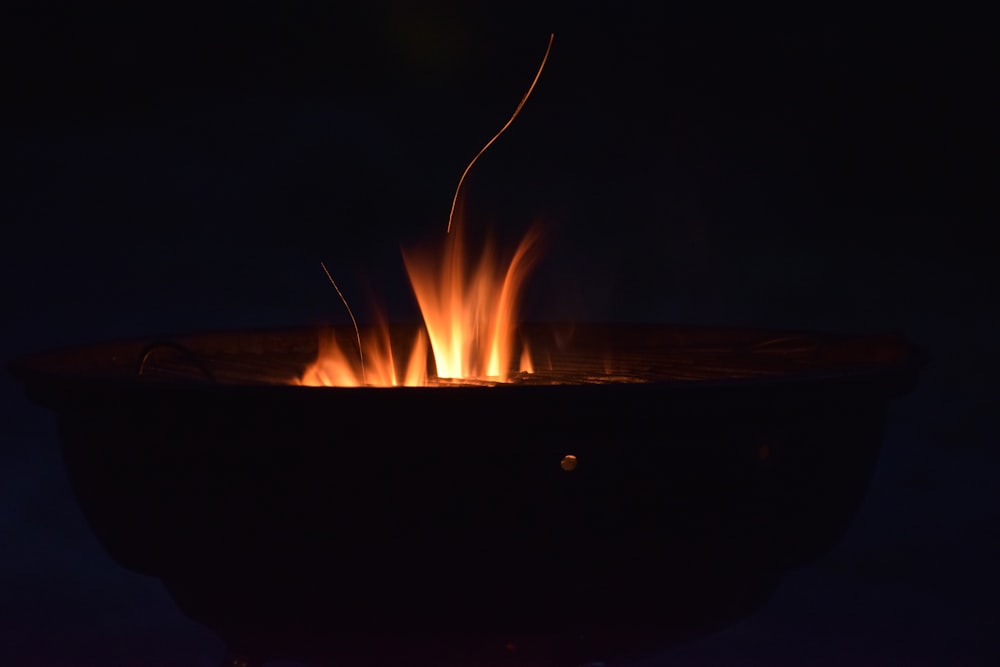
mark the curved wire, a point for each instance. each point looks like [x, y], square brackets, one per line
[454, 200]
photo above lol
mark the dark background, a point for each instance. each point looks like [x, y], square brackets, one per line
[187, 167]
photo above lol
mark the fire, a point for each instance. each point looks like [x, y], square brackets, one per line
[469, 314]
[337, 367]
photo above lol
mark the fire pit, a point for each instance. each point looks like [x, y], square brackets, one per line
[644, 484]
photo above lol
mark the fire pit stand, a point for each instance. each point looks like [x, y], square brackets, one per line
[646, 484]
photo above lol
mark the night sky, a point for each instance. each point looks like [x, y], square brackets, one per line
[183, 168]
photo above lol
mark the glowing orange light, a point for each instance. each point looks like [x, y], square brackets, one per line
[469, 311]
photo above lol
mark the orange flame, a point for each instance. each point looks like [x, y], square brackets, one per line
[469, 313]
[337, 367]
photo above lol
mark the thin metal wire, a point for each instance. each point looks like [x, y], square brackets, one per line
[195, 360]
[357, 333]
[454, 201]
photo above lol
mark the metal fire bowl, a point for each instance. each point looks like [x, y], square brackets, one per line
[330, 522]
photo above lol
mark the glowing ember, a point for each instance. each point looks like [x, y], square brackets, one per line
[469, 312]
